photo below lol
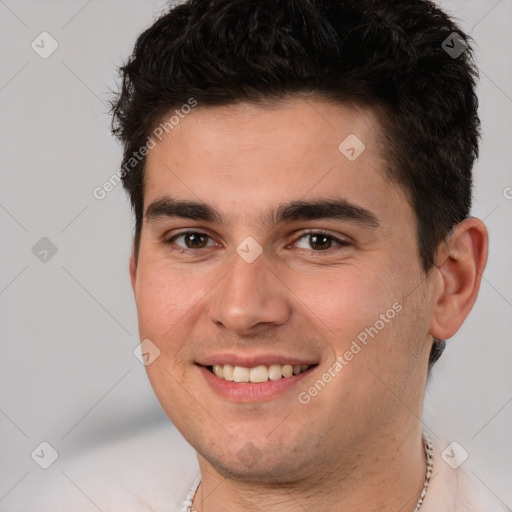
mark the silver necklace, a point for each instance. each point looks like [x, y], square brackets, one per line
[429, 453]
[186, 506]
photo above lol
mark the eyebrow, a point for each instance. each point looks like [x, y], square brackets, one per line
[335, 209]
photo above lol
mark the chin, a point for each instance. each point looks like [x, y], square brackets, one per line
[280, 461]
[266, 470]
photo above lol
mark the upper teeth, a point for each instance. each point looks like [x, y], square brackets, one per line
[258, 373]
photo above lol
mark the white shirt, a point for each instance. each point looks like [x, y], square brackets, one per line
[153, 472]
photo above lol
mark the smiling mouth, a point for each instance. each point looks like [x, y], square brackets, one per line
[258, 374]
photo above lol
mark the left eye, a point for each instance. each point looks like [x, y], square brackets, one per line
[320, 241]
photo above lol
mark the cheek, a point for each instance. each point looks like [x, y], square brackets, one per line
[167, 301]
[153, 297]
[343, 302]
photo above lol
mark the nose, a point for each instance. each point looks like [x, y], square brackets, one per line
[249, 298]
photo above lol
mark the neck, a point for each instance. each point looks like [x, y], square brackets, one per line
[386, 475]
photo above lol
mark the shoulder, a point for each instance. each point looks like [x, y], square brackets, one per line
[146, 472]
[454, 487]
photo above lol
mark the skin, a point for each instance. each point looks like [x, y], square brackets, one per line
[357, 444]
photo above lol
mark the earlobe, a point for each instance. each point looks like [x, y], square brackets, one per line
[460, 263]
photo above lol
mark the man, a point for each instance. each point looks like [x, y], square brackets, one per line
[300, 173]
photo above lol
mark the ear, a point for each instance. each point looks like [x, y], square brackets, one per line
[133, 270]
[460, 263]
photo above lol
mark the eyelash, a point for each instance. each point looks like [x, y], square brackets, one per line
[181, 250]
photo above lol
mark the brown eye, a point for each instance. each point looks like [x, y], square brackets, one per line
[191, 240]
[320, 241]
[195, 240]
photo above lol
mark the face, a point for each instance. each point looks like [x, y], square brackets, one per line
[273, 244]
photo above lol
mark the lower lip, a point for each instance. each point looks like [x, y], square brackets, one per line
[251, 392]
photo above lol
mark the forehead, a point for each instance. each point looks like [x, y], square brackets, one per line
[245, 158]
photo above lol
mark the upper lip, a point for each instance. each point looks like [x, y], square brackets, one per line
[255, 360]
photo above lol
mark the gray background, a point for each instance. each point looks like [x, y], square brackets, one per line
[68, 326]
